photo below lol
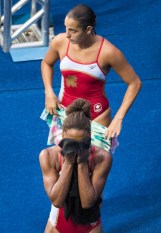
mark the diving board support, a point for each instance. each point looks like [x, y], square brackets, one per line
[10, 33]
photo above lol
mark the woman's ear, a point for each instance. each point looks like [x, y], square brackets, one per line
[89, 29]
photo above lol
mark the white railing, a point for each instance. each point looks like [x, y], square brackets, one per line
[10, 33]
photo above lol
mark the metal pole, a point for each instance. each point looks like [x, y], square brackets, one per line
[42, 2]
[45, 24]
[16, 7]
[0, 11]
[33, 8]
[28, 23]
[7, 25]
[1, 37]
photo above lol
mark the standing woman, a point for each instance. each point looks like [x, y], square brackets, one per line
[85, 61]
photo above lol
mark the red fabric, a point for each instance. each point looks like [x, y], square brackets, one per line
[94, 94]
[80, 84]
[64, 226]
[100, 49]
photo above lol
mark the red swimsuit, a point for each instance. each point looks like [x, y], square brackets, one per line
[83, 80]
[58, 220]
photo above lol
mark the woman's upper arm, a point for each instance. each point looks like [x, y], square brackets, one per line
[116, 59]
[100, 172]
[52, 54]
[49, 172]
[122, 67]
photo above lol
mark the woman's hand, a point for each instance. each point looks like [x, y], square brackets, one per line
[83, 157]
[114, 128]
[52, 103]
[70, 158]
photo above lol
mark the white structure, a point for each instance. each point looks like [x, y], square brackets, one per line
[18, 36]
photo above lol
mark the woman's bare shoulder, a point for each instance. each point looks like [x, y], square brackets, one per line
[49, 156]
[50, 150]
[109, 46]
[101, 154]
[59, 39]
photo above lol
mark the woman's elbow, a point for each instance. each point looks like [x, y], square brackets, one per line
[57, 204]
[136, 84]
[87, 204]
[139, 83]
[42, 63]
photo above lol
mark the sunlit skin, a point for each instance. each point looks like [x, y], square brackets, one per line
[57, 184]
[76, 34]
[84, 48]
[75, 134]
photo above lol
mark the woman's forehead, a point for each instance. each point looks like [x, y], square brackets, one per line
[71, 22]
[75, 134]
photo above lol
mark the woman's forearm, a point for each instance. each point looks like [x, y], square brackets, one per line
[86, 190]
[47, 76]
[132, 91]
[60, 189]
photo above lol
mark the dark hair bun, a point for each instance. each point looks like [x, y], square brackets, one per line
[79, 105]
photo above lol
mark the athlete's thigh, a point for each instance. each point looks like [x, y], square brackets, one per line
[50, 229]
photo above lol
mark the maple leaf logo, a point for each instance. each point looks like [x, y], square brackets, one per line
[71, 81]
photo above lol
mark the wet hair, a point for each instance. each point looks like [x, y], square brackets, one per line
[78, 116]
[84, 15]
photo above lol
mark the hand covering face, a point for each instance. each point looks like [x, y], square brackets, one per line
[80, 148]
[72, 205]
